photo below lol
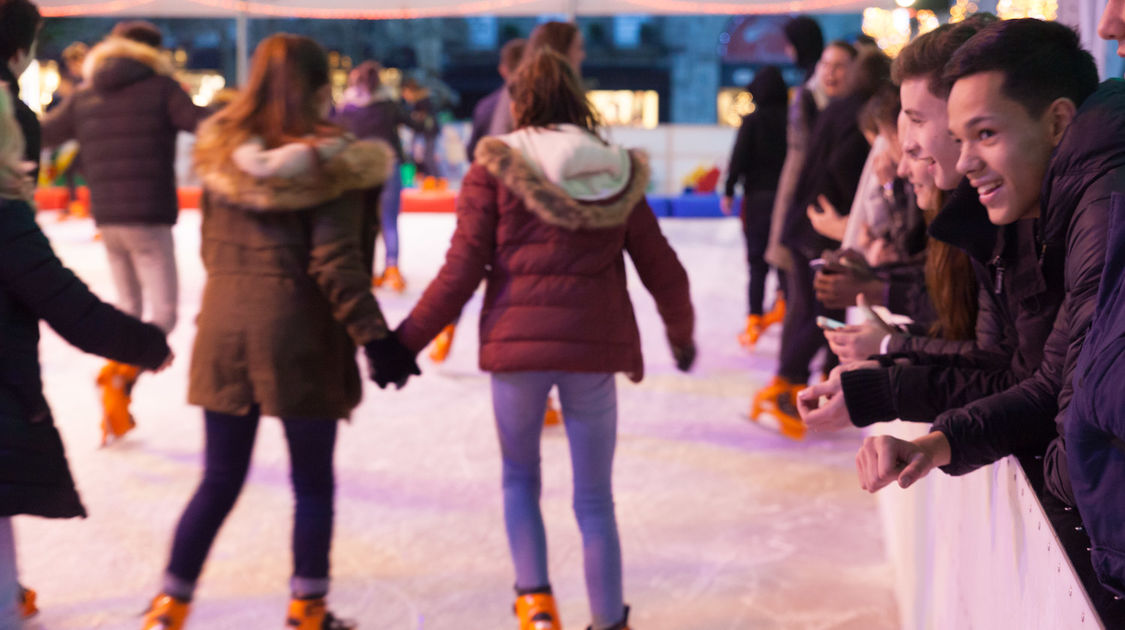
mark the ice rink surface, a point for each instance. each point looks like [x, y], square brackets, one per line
[724, 524]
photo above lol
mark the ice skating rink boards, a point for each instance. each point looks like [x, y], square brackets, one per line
[724, 525]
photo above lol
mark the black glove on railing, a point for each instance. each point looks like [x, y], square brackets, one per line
[388, 361]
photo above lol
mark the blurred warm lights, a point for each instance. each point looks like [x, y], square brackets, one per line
[927, 21]
[890, 29]
[1039, 9]
[961, 10]
[733, 104]
[627, 108]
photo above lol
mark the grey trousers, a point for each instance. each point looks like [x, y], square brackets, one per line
[142, 259]
[9, 578]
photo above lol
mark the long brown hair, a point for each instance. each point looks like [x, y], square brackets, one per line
[952, 286]
[546, 91]
[365, 76]
[558, 36]
[278, 105]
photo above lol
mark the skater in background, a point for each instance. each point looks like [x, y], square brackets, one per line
[35, 287]
[836, 152]
[70, 77]
[423, 144]
[286, 302]
[805, 45]
[755, 163]
[126, 117]
[526, 213]
[510, 56]
[370, 110]
[19, 37]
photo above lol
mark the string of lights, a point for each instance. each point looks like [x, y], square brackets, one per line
[100, 8]
[273, 10]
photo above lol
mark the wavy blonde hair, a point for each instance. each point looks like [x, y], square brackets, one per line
[14, 180]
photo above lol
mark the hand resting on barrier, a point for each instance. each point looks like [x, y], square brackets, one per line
[883, 459]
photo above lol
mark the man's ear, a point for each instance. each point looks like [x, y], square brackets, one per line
[1058, 117]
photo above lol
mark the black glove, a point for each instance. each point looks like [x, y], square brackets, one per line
[685, 356]
[388, 361]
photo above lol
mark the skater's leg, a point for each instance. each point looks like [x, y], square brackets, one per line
[9, 577]
[756, 227]
[116, 239]
[589, 404]
[229, 445]
[800, 336]
[154, 254]
[311, 445]
[389, 204]
[519, 400]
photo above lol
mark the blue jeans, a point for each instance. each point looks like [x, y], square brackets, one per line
[229, 445]
[389, 203]
[589, 407]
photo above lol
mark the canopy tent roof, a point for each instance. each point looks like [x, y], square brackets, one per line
[399, 9]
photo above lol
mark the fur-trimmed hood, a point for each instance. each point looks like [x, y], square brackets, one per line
[117, 62]
[567, 176]
[294, 176]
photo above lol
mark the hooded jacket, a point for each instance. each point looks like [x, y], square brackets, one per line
[1095, 431]
[759, 147]
[545, 216]
[1019, 296]
[35, 286]
[287, 297]
[126, 117]
[1087, 168]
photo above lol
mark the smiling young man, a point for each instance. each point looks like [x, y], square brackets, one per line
[1018, 293]
[1036, 140]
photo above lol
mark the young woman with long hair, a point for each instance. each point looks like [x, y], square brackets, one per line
[286, 302]
[545, 217]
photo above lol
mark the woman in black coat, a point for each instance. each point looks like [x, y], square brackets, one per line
[755, 162]
[34, 286]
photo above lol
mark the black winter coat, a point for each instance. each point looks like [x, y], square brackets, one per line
[1018, 299]
[34, 285]
[126, 118]
[759, 151]
[833, 164]
[1095, 431]
[29, 123]
[482, 118]
[1087, 168]
[378, 118]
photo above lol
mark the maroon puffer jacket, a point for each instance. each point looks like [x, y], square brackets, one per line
[556, 295]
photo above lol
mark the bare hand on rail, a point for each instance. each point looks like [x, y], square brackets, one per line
[883, 459]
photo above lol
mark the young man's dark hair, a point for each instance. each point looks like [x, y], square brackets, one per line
[139, 31]
[1041, 62]
[845, 46]
[19, 24]
[929, 53]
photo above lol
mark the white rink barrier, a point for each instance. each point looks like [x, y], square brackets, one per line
[676, 150]
[978, 551]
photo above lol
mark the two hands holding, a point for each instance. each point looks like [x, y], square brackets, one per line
[388, 361]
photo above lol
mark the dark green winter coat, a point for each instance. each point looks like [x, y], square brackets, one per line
[34, 285]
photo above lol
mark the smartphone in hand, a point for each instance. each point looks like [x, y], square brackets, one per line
[828, 323]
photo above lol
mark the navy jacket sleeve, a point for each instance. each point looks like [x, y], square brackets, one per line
[32, 274]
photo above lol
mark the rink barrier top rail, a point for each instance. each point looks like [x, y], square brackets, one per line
[413, 200]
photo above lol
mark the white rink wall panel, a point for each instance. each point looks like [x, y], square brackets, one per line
[977, 551]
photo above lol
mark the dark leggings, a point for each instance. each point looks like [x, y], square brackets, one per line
[801, 338]
[230, 442]
[757, 209]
